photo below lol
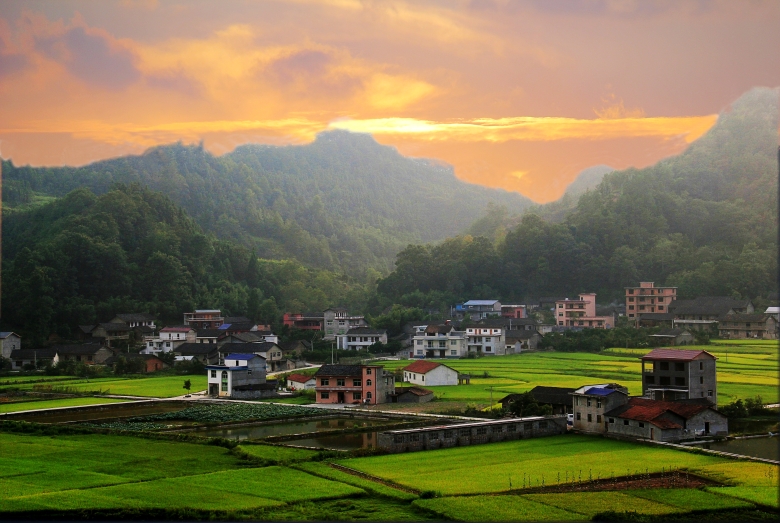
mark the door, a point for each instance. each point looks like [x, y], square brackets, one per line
[706, 427]
[652, 433]
[341, 397]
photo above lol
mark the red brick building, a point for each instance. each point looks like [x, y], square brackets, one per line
[367, 384]
[648, 299]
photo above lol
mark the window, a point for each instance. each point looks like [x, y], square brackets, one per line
[701, 380]
[625, 422]
[598, 418]
[481, 431]
[579, 416]
[368, 373]
[511, 428]
[542, 424]
[447, 434]
[498, 429]
[453, 342]
[577, 401]
[368, 383]
[590, 418]
[588, 402]
[325, 395]
[664, 365]
[224, 381]
[701, 365]
[399, 439]
[679, 366]
[631, 300]
[340, 382]
[612, 420]
[641, 425]
[369, 395]
[465, 432]
[528, 426]
[434, 436]
[422, 376]
[419, 342]
[709, 393]
[356, 383]
[664, 380]
[213, 374]
[324, 382]
[442, 344]
[679, 381]
[419, 352]
[453, 352]
[650, 379]
[598, 403]
[356, 396]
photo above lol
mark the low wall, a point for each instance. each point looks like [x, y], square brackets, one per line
[475, 433]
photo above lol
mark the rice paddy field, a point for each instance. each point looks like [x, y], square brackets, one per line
[50, 404]
[99, 475]
[152, 387]
[746, 368]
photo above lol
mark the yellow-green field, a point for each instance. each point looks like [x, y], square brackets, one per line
[49, 404]
[745, 369]
[154, 387]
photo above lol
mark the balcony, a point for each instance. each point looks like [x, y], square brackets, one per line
[336, 388]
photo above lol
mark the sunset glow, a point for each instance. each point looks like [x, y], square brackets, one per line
[519, 95]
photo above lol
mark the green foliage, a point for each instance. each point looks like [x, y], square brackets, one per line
[595, 340]
[704, 221]
[526, 405]
[232, 412]
[739, 409]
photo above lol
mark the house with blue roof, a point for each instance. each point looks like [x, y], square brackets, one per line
[592, 401]
[479, 309]
[243, 376]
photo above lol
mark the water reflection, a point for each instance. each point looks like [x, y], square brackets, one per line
[365, 440]
[757, 447]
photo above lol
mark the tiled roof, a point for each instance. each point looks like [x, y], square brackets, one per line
[670, 332]
[675, 354]
[339, 370]
[651, 411]
[177, 328]
[685, 409]
[366, 331]
[4, 335]
[552, 395]
[208, 333]
[299, 378]
[423, 366]
[599, 391]
[239, 356]
[438, 329]
[89, 348]
[192, 349]
[757, 318]
[480, 302]
[31, 354]
[86, 329]
[142, 317]
[657, 316]
[707, 305]
[115, 327]
[417, 391]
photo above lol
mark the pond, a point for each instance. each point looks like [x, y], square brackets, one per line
[364, 440]
[766, 448]
[258, 431]
[763, 426]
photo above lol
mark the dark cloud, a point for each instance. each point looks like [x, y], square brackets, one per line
[92, 58]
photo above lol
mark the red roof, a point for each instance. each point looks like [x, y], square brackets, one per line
[686, 410]
[651, 411]
[176, 329]
[299, 378]
[422, 366]
[675, 354]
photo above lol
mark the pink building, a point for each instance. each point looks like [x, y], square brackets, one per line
[366, 384]
[648, 299]
[513, 311]
[581, 313]
[310, 321]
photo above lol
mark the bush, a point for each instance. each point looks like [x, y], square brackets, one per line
[430, 494]
[739, 409]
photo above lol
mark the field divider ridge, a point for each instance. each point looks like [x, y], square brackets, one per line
[375, 479]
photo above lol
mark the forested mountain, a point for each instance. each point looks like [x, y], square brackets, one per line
[84, 258]
[705, 221]
[341, 202]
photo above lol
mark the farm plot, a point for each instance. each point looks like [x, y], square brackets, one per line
[325, 471]
[50, 404]
[496, 508]
[754, 482]
[532, 462]
[690, 499]
[277, 453]
[591, 503]
[153, 387]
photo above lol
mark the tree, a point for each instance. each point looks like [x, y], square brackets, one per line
[187, 385]
[526, 405]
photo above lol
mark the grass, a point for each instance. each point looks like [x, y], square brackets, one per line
[591, 503]
[688, 499]
[325, 471]
[496, 508]
[353, 509]
[49, 404]
[745, 369]
[751, 481]
[489, 468]
[154, 387]
[277, 453]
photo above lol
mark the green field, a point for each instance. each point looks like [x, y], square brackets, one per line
[489, 468]
[46, 475]
[50, 404]
[154, 387]
[745, 369]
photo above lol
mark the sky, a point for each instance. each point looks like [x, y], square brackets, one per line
[521, 95]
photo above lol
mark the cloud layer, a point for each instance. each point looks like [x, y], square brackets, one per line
[515, 94]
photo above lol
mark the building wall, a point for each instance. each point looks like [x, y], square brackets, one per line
[650, 298]
[474, 434]
[719, 424]
[598, 406]
[486, 341]
[441, 375]
[452, 342]
[699, 379]
[11, 342]
[642, 429]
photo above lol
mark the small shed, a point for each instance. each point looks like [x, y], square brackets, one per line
[673, 337]
[430, 373]
[412, 395]
[300, 382]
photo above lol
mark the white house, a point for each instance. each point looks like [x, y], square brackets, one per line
[360, 338]
[480, 309]
[438, 341]
[9, 341]
[300, 382]
[429, 373]
[486, 340]
[243, 375]
[168, 339]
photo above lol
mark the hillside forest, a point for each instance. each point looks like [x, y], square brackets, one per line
[265, 230]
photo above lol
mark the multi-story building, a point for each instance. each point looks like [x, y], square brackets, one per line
[487, 340]
[746, 326]
[648, 299]
[135, 320]
[513, 311]
[338, 321]
[705, 312]
[592, 401]
[307, 321]
[204, 319]
[480, 309]
[674, 374]
[439, 341]
[367, 384]
[169, 339]
[360, 338]
[242, 376]
[581, 313]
